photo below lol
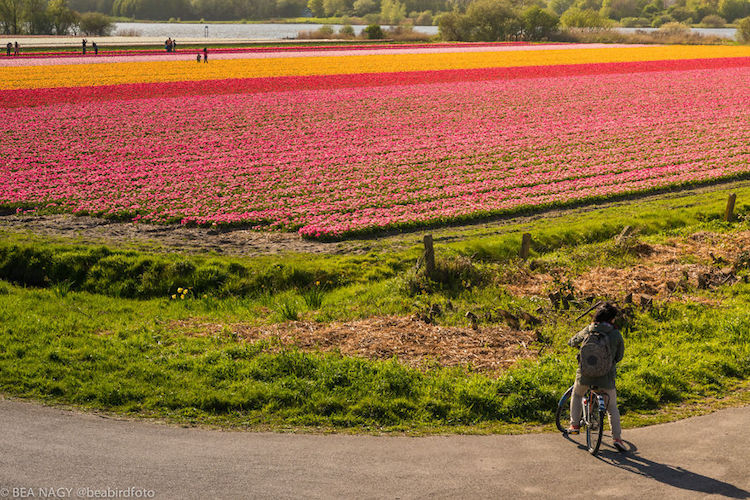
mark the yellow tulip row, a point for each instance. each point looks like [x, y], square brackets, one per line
[82, 75]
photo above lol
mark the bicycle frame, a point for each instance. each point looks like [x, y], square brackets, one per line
[594, 408]
[602, 400]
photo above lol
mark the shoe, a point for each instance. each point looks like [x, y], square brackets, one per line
[574, 429]
[620, 445]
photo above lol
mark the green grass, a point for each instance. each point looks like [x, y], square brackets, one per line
[94, 326]
[122, 355]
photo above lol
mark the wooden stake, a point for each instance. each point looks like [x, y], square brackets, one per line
[429, 255]
[729, 213]
[525, 245]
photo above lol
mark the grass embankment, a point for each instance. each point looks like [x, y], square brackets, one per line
[100, 332]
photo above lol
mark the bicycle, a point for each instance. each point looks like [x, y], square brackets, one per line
[594, 408]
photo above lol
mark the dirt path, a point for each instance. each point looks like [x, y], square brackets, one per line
[253, 243]
[701, 457]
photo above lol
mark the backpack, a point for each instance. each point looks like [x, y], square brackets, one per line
[595, 358]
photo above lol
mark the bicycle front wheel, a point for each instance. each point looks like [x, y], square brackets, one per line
[562, 414]
[595, 428]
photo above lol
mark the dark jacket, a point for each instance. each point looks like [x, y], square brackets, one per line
[616, 347]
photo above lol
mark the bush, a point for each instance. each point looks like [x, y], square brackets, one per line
[347, 31]
[661, 20]
[713, 21]
[587, 19]
[424, 18]
[635, 22]
[374, 32]
[538, 24]
[95, 23]
[673, 29]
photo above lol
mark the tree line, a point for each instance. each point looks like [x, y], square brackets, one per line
[585, 12]
[49, 17]
[458, 19]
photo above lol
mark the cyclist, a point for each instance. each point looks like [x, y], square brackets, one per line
[603, 323]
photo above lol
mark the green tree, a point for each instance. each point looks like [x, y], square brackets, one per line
[362, 7]
[734, 9]
[36, 18]
[617, 9]
[290, 8]
[61, 16]
[577, 18]
[334, 7]
[652, 9]
[701, 8]
[681, 14]
[560, 6]
[492, 20]
[95, 23]
[588, 4]
[316, 7]
[11, 16]
[743, 30]
[392, 11]
[538, 24]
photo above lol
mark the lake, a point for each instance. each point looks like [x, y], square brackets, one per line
[244, 31]
[283, 31]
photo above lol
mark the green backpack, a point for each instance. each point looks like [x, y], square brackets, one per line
[595, 356]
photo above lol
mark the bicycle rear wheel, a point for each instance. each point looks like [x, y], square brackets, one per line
[562, 414]
[595, 427]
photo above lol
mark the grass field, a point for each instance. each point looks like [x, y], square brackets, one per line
[102, 335]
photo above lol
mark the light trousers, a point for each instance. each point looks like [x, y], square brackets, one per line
[576, 408]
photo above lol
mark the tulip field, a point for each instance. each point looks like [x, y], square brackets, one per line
[337, 142]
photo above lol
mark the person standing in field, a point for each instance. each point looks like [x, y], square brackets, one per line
[198, 56]
[8, 47]
[174, 45]
[205, 54]
[95, 47]
[83, 46]
[603, 327]
[17, 48]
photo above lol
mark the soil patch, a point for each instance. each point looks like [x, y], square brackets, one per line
[414, 343]
[700, 261]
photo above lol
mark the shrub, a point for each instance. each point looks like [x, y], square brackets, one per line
[347, 31]
[374, 32]
[674, 29]
[635, 22]
[661, 20]
[713, 21]
[95, 23]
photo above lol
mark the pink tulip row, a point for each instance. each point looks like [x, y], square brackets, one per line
[335, 162]
[46, 96]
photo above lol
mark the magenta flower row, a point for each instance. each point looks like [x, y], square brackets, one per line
[335, 162]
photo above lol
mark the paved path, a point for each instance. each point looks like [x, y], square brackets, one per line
[43, 447]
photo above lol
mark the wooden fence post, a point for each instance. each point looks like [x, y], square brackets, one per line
[729, 213]
[525, 245]
[429, 255]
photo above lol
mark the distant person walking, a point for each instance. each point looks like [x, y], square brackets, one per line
[83, 46]
[95, 47]
[205, 54]
[17, 47]
[9, 47]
